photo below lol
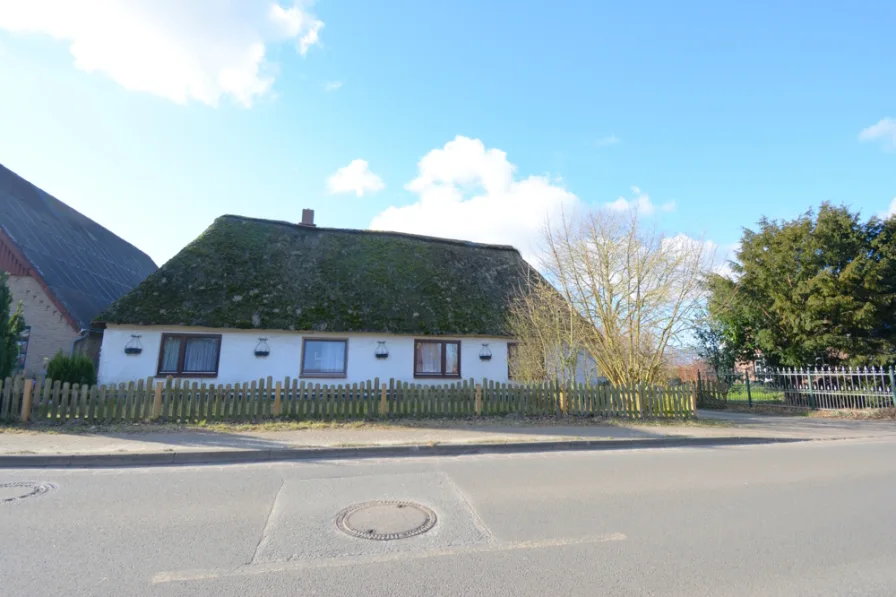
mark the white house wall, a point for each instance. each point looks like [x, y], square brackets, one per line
[238, 362]
[586, 369]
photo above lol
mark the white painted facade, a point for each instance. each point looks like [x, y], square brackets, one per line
[238, 362]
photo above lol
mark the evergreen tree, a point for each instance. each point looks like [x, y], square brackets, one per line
[714, 347]
[11, 327]
[817, 289]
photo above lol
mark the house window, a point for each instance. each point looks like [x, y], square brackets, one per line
[189, 355]
[513, 351]
[22, 343]
[436, 358]
[324, 358]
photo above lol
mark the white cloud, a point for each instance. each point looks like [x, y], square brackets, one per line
[723, 266]
[883, 131]
[355, 178]
[297, 23]
[688, 244]
[607, 141]
[640, 203]
[180, 50]
[332, 85]
[468, 192]
[890, 212]
[709, 252]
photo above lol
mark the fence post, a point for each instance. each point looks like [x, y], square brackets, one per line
[563, 406]
[749, 396]
[478, 400]
[811, 391]
[694, 397]
[26, 400]
[893, 385]
[278, 389]
[384, 404]
[157, 402]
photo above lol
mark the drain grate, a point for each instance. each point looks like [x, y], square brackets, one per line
[386, 520]
[21, 490]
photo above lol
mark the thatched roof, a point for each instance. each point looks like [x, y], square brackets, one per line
[249, 273]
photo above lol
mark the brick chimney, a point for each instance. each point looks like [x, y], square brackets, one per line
[307, 218]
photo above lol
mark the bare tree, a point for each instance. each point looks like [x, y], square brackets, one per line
[636, 292]
[550, 335]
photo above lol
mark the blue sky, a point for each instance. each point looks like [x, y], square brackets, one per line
[475, 119]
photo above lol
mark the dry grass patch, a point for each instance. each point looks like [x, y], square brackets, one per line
[869, 414]
[769, 409]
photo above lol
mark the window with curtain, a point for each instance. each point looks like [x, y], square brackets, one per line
[189, 355]
[324, 358]
[436, 358]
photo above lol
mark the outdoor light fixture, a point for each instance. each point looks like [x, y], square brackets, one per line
[381, 351]
[133, 346]
[262, 349]
[485, 354]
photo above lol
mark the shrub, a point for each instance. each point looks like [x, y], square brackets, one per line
[77, 368]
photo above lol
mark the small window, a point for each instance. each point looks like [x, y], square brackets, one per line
[324, 358]
[436, 358]
[22, 343]
[189, 355]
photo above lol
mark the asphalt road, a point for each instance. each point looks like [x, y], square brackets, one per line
[788, 519]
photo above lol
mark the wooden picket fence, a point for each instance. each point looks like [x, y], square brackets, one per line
[174, 400]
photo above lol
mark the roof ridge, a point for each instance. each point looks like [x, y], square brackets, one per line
[449, 241]
[75, 211]
[84, 265]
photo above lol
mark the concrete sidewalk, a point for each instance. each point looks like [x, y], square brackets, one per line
[62, 447]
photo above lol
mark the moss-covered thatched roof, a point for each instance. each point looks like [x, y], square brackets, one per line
[248, 273]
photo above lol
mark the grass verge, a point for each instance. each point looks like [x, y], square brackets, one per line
[483, 423]
[769, 409]
[867, 414]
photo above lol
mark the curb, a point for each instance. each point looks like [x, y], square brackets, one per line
[298, 454]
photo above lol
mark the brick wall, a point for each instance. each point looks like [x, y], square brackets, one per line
[50, 332]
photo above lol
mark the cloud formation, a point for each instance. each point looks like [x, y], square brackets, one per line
[180, 50]
[890, 212]
[884, 131]
[355, 178]
[640, 203]
[467, 191]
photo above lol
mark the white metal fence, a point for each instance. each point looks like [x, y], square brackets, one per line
[817, 387]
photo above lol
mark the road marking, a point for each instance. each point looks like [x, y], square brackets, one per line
[267, 521]
[288, 566]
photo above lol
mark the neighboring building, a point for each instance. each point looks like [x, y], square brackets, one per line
[254, 298]
[63, 267]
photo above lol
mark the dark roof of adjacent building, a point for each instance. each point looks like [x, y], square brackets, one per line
[249, 273]
[84, 266]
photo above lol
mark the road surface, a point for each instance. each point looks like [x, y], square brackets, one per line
[789, 519]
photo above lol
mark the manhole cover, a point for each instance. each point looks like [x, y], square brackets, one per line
[13, 492]
[385, 521]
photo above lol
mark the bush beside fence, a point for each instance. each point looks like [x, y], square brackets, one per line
[174, 400]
